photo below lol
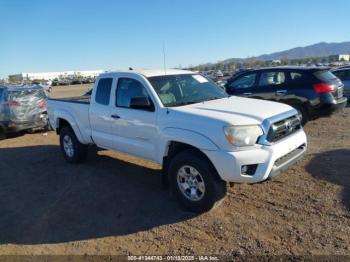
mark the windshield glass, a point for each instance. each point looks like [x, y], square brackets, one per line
[177, 90]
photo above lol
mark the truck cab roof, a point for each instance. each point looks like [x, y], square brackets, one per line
[150, 72]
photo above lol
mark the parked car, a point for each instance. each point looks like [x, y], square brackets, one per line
[55, 82]
[219, 74]
[314, 92]
[22, 108]
[76, 82]
[344, 75]
[64, 82]
[181, 120]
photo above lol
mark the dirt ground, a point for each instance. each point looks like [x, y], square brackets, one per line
[114, 204]
[68, 91]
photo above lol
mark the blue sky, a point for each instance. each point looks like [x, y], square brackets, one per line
[50, 35]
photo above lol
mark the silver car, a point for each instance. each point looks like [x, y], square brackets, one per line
[22, 108]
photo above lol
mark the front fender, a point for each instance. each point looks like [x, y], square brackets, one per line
[64, 115]
[185, 136]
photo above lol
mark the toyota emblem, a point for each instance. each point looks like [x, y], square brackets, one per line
[289, 125]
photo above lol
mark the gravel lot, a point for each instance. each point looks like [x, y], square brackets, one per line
[114, 204]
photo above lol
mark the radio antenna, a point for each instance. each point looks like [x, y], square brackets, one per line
[164, 58]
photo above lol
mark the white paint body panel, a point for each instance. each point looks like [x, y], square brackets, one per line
[147, 134]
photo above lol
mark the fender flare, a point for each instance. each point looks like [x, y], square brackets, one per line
[64, 115]
[185, 136]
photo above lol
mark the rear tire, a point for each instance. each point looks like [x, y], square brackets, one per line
[195, 182]
[73, 151]
[303, 113]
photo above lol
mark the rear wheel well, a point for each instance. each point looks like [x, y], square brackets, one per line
[61, 124]
[175, 148]
[295, 102]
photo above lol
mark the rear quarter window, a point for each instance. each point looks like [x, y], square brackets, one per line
[324, 75]
[103, 91]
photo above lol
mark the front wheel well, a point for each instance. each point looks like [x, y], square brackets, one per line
[175, 148]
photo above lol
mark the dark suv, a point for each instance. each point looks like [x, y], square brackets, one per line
[22, 108]
[314, 92]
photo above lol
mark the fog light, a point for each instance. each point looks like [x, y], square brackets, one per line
[249, 170]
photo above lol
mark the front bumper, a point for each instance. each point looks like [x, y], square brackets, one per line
[271, 160]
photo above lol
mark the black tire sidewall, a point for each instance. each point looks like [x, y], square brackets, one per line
[213, 185]
[301, 110]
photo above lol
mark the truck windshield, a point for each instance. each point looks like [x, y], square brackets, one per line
[177, 90]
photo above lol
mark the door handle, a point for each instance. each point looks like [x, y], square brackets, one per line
[281, 92]
[247, 94]
[115, 116]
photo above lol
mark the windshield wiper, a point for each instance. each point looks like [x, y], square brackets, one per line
[197, 101]
[212, 98]
[187, 103]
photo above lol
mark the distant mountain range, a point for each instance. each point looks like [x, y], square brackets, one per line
[316, 50]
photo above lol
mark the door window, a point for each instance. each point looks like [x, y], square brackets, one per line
[245, 81]
[295, 76]
[103, 92]
[271, 78]
[127, 89]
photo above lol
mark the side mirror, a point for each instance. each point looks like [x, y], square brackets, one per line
[142, 103]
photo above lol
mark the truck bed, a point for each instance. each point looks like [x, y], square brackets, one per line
[74, 108]
[76, 99]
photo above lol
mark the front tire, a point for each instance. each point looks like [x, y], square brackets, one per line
[303, 113]
[73, 151]
[195, 182]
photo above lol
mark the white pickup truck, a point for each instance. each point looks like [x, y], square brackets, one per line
[181, 120]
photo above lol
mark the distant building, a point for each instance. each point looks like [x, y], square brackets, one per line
[276, 61]
[53, 75]
[341, 57]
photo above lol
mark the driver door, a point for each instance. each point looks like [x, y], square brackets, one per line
[134, 130]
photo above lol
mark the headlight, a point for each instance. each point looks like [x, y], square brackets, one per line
[243, 135]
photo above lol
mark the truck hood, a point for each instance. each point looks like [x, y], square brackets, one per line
[236, 110]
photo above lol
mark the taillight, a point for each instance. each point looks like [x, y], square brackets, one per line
[324, 88]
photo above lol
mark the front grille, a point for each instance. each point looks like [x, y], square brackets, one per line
[283, 128]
